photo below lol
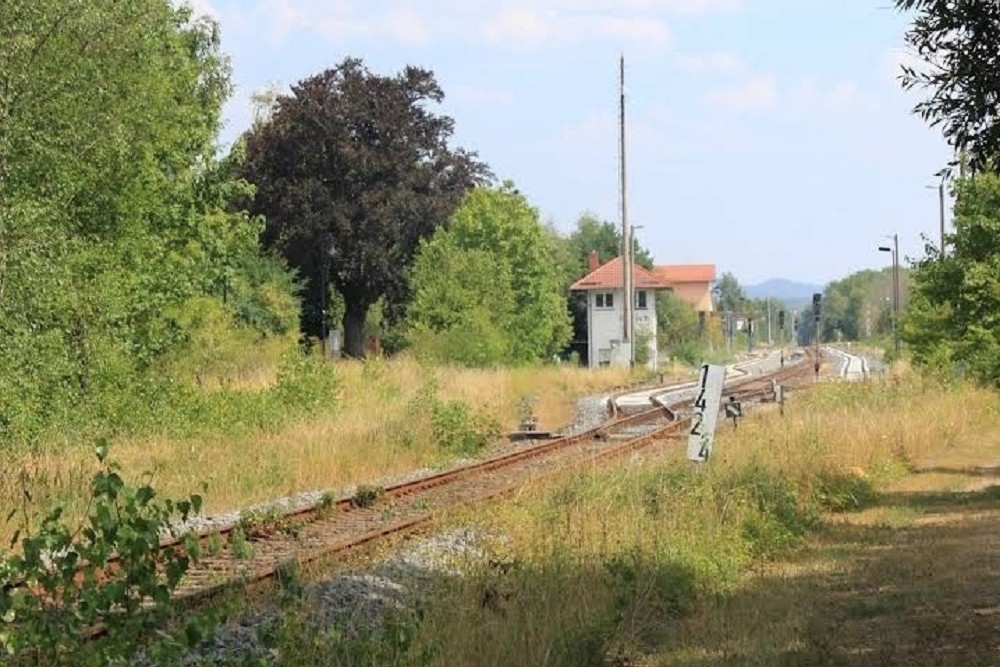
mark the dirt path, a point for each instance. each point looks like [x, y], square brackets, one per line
[912, 581]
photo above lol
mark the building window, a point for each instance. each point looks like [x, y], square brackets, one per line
[604, 300]
[640, 300]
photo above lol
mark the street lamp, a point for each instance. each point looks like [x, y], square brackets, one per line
[940, 188]
[895, 288]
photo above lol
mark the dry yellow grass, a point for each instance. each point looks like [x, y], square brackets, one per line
[375, 426]
[568, 537]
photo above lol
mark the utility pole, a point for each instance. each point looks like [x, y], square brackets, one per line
[941, 207]
[626, 230]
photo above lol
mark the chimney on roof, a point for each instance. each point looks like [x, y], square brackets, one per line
[593, 261]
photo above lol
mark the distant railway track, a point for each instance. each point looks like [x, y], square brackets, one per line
[327, 530]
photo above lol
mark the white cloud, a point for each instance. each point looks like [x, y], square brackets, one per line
[678, 7]
[761, 93]
[686, 6]
[482, 96]
[756, 93]
[523, 27]
[637, 29]
[809, 95]
[518, 24]
[714, 62]
[407, 26]
[595, 134]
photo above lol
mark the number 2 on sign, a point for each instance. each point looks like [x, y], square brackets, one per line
[696, 421]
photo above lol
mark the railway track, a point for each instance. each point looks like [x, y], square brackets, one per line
[249, 551]
[323, 532]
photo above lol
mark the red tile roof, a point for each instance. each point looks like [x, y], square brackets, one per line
[610, 275]
[672, 274]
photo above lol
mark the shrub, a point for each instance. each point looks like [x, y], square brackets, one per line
[46, 620]
[460, 430]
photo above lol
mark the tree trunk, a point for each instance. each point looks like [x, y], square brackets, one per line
[354, 329]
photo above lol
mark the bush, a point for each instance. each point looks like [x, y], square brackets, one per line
[46, 620]
[460, 430]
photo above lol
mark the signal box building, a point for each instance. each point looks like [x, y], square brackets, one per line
[606, 312]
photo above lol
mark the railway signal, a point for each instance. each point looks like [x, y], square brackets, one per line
[817, 308]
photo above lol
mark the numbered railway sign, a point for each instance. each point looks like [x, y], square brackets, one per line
[706, 412]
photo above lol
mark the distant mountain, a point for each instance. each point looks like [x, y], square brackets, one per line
[780, 288]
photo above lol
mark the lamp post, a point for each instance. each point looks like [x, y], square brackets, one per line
[940, 188]
[895, 288]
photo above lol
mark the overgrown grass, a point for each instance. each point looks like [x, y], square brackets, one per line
[600, 567]
[309, 426]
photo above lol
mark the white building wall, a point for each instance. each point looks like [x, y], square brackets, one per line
[605, 328]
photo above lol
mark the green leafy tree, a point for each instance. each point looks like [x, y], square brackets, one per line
[959, 42]
[111, 201]
[593, 234]
[463, 304]
[859, 306]
[353, 170]
[676, 320]
[730, 294]
[501, 284]
[954, 313]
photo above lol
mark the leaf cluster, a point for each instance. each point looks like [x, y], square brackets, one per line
[62, 583]
[953, 319]
[487, 290]
[958, 43]
[353, 169]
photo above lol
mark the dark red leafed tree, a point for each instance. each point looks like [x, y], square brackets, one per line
[352, 170]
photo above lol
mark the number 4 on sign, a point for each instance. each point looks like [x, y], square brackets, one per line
[706, 413]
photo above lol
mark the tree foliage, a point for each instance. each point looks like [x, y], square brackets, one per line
[731, 295]
[677, 321]
[593, 234]
[959, 43]
[489, 285]
[111, 201]
[353, 169]
[463, 304]
[860, 306]
[954, 312]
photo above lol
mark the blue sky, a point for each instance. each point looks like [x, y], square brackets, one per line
[769, 137]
